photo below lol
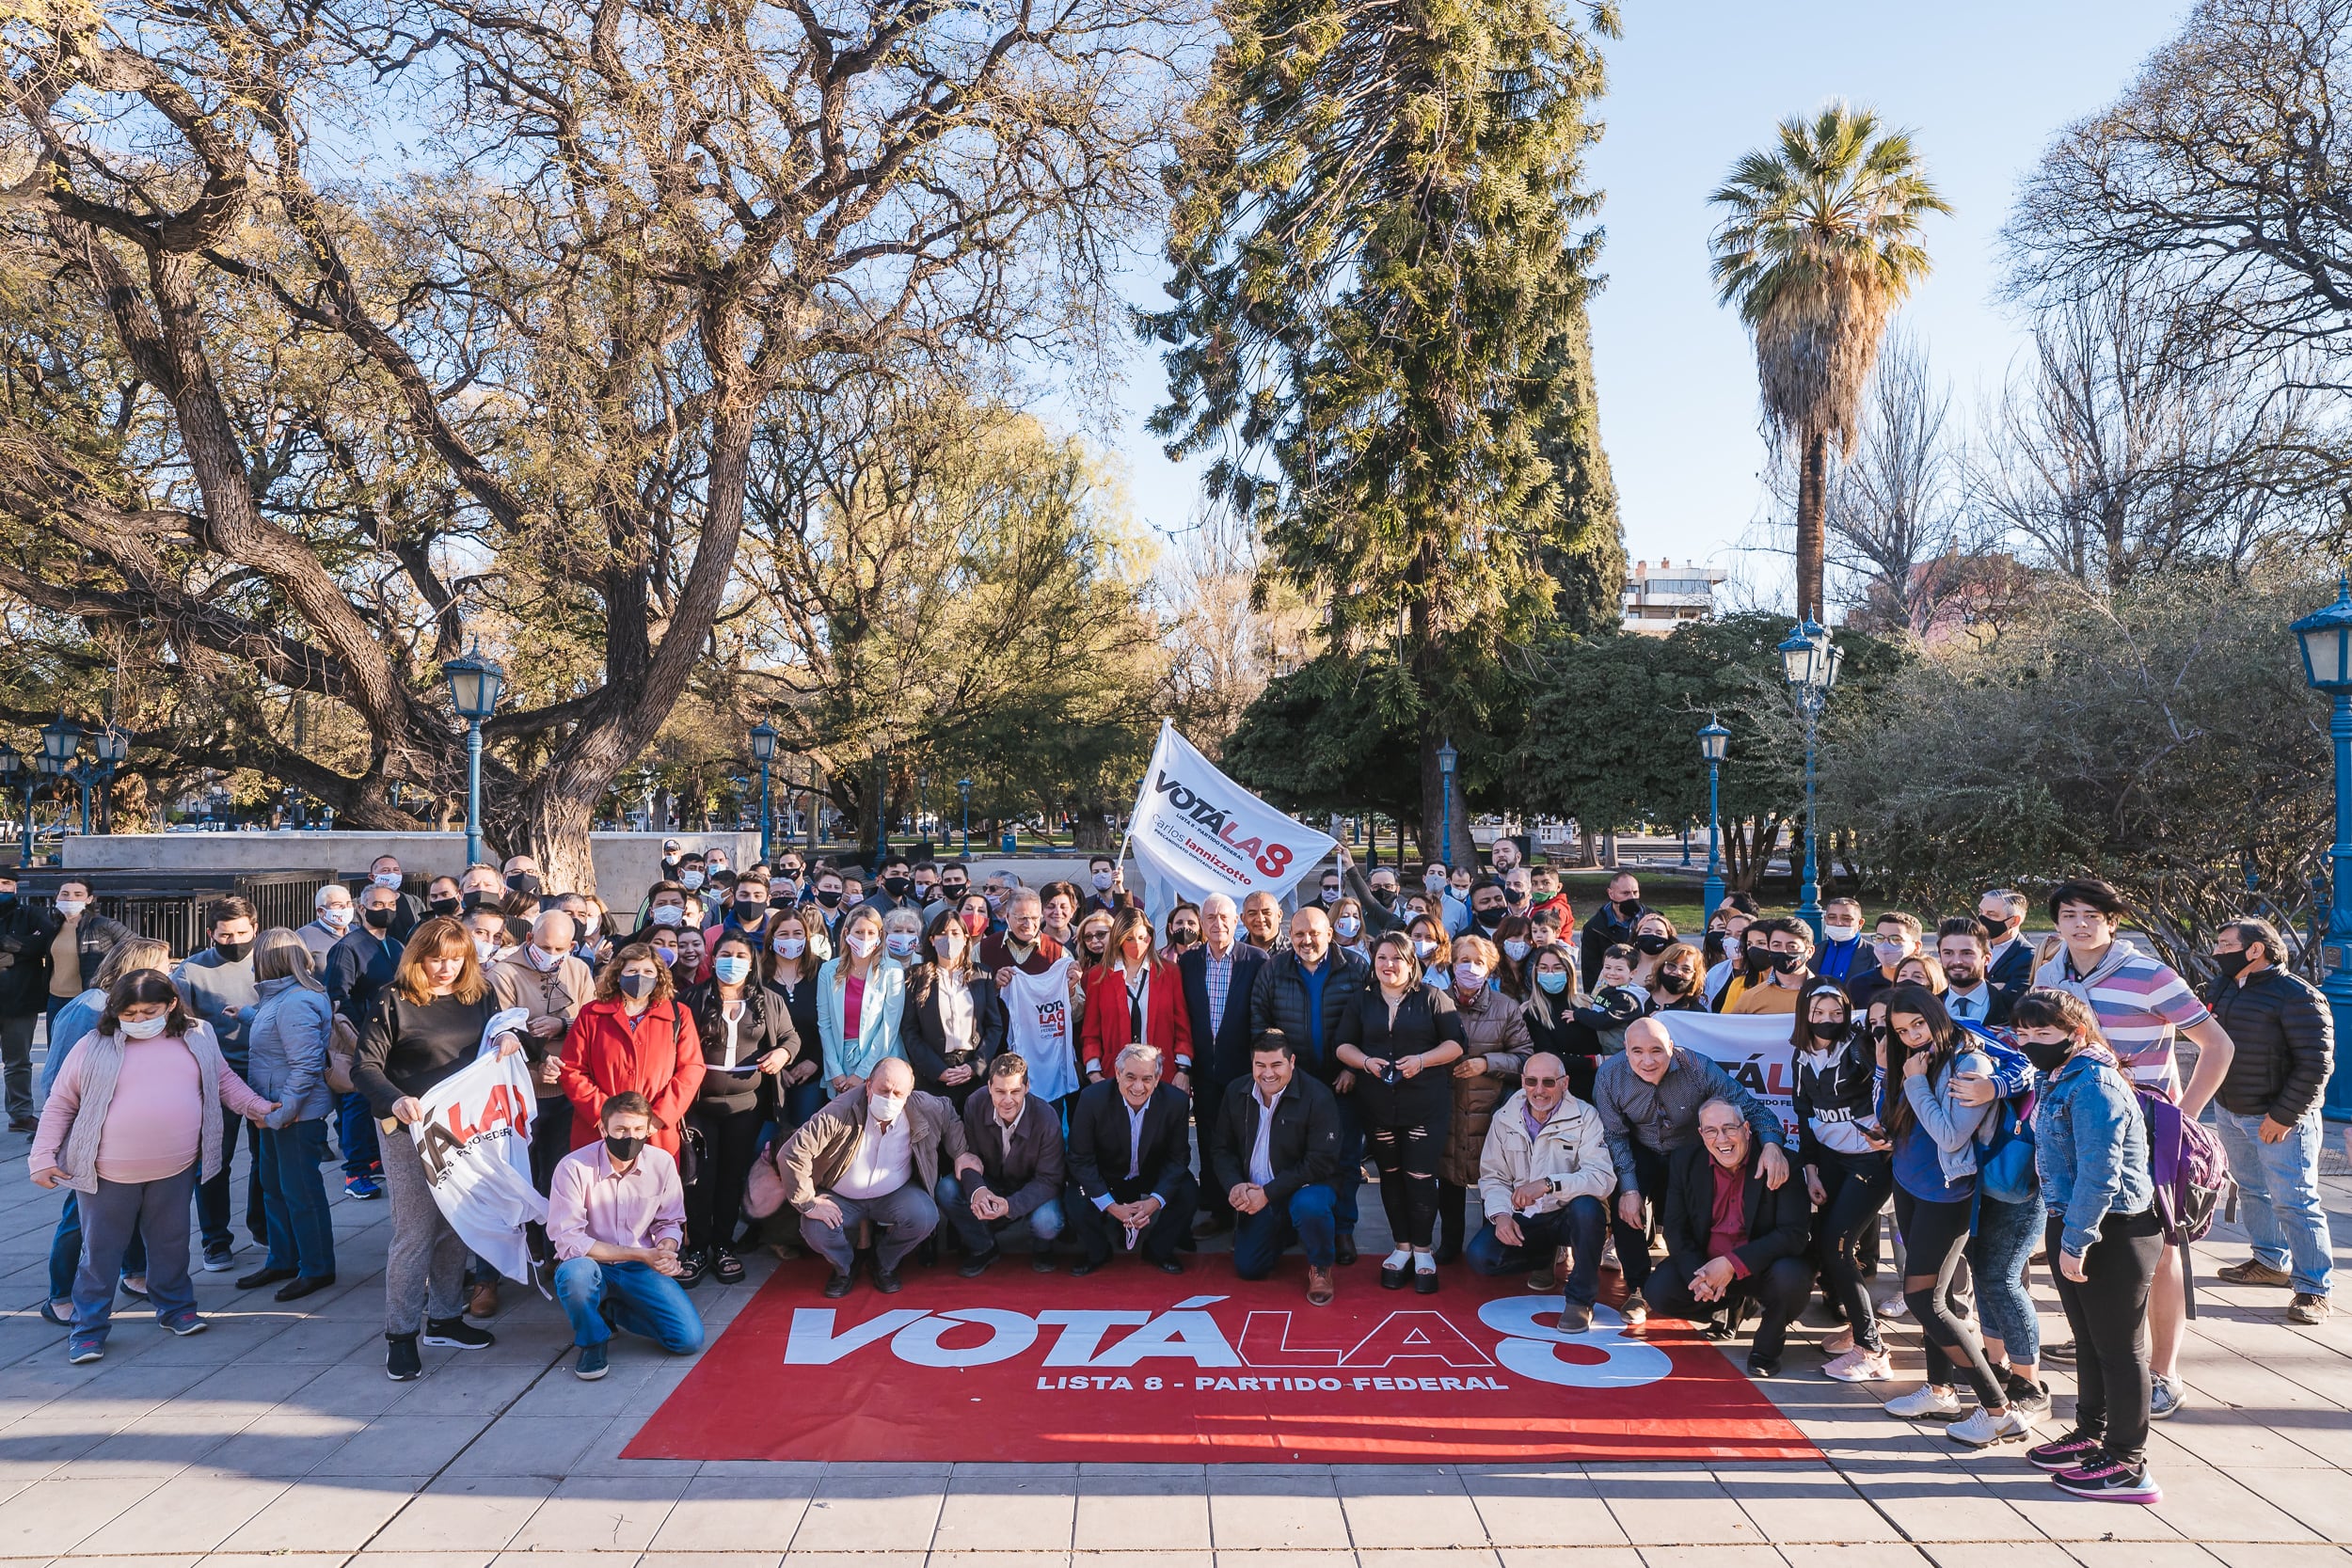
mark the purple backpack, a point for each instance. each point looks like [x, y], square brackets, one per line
[2189, 1168]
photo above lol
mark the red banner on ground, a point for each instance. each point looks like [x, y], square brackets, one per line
[1135, 1366]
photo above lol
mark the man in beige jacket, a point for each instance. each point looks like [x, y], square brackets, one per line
[1544, 1182]
[872, 1154]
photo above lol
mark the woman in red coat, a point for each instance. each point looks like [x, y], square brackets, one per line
[633, 1035]
[1132, 982]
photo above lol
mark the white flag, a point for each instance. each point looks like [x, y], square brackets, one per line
[475, 1138]
[1199, 831]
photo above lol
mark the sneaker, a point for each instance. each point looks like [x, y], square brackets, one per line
[1861, 1366]
[1839, 1342]
[1575, 1317]
[1926, 1403]
[1892, 1304]
[590, 1366]
[1636, 1312]
[1760, 1365]
[362, 1187]
[217, 1256]
[86, 1347]
[402, 1363]
[976, 1264]
[2025, 1395]
[2070, 1453]
[2165, 1397]
[1981, 1429]
[2107, 1479]
[185, 1322]
[2063, 1351]
[2252, 1272]
[457, 1334]
[2307, 1309]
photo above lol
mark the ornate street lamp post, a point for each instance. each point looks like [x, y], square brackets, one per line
[1447, 758]
[474, 684]
[2326, 635]
[763, 752]
[1810, 661]
[1714, 742]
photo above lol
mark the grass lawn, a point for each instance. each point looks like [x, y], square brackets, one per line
[1676, 897]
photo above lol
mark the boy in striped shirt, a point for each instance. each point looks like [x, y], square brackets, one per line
[2142, 1005]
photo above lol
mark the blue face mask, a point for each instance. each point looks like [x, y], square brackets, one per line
[1552, 981]
[731, 968]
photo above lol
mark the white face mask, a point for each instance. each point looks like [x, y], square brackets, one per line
[1731, 948]
[862, 944]
[690, 881]
[1469, 976]
[1515, 950]
[1423, 948]
[1840, 933]
[485, 949]
[335, 915]
[69, 908]
[885, 1107]
[791, 947]
[1102, 882]
[901, 944]
[144, 1028]
[668, 914]
[387, 879]
[542, 959]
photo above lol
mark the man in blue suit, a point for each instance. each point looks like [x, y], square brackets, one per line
[1218, 974]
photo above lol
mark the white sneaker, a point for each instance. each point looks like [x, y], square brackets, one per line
[1926, 1403]
[1859, 1366]
[1892, 1306]
[1980, 1429]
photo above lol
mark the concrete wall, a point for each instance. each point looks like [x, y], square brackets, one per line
[627, 863]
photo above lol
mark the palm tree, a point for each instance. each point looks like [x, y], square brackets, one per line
[1818, 244]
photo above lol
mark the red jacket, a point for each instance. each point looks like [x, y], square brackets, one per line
[662, 1058]
[1167, 1024]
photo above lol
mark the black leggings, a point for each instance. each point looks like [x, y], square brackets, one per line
[1853, 1189]
[2108, 1313]
[1408, 1158]
[714, 1204]
[1936, 1237]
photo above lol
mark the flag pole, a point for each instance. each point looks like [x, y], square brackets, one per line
[1128, 835]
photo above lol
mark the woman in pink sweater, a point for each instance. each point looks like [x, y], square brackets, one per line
[129, 1126]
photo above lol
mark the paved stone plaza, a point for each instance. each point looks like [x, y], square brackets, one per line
[276, 1438]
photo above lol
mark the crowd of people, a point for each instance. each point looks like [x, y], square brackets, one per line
[791, 1055]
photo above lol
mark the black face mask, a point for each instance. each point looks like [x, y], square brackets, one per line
[829, 899]
[378, 919]
[1782, 963]
[1996, 929]
[1488, 918]
[1830, 1034]
[479, 899]
[1384, 897]
[623, 1149]
[1675, 981]
[232, 951]
[793, 873]
[751, 911]
[527, 882]
[2047, 1058]
[1652, 943]
[443, 906]
[1629, 908]
[1183, 939]
[898, 887]
[2231, 963]
[639, 984]
[953, 892]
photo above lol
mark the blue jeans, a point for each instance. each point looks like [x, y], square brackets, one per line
[65, 1250]
[1998, 1253]
[645, 1302]
[1041, 1223]
[355, 1129]
[294, 1198]
[213, 1214]
[2278, 1194]
[1307, 1219]
[1580, 1228]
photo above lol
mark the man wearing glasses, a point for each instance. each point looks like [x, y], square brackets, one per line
[1543, 1181]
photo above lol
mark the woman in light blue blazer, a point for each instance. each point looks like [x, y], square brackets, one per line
[858, 1035]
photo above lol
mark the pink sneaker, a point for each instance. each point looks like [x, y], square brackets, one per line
[1861, 1366]
[1839, 1342]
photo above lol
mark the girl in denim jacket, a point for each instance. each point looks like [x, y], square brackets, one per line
[2090, 1147]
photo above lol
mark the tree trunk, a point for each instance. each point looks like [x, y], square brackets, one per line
[1812, 508]
[557, 830]
[1095, 833]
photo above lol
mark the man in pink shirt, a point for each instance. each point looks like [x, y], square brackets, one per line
[615, 1214]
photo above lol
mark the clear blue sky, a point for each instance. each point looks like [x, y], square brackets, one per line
[1692, 84]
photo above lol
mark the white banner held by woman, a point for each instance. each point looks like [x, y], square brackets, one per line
[1198, 831]
[475, 1137]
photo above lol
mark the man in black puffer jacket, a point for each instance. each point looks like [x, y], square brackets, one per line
[2267, 1112]
[1302, 991]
